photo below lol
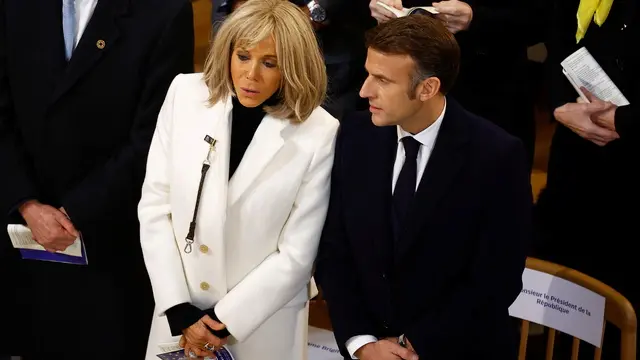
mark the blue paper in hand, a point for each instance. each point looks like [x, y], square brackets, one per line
[222, 354]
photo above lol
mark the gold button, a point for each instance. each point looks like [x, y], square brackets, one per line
[100, 44]
[204, 286]
[204, 249]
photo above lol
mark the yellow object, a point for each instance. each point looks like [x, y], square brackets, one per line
[598, 10]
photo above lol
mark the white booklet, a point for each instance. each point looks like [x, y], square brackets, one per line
[22, 239]
[582, 70]
[409, 11]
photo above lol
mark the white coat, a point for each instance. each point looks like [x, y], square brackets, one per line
[257, 234]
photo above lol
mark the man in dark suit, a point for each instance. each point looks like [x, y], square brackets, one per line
[81, 84]
[430, 212]
[340, 27]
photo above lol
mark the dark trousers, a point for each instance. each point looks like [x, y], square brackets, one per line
[562, 236]
[79, 312]
[10, 324]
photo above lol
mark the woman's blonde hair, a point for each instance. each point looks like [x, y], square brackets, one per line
[304, 78]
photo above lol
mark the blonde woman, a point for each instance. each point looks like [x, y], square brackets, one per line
[236, 191]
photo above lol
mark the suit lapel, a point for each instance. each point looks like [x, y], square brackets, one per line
[100, 35]
[267, 141]
[445, 162]
[214, 122]
[46, 41]
[374, 188]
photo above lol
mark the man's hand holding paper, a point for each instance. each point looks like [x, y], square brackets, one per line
[593, 121]
[49, 226]
[605, 118]
[380, 13]
[456, 15]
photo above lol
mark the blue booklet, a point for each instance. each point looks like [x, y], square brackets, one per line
[174, 352]
[22, 239]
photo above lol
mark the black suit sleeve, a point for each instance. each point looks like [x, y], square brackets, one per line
[335, 268]
[184, 315]
[494, 278]
[17, 182]
[561, 42]
[626, 121]
[122, 175]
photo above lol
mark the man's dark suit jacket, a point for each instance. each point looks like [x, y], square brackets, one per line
[76, 135]
[448, 281]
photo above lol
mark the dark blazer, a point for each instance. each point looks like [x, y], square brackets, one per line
[448, 282]
[76, 135]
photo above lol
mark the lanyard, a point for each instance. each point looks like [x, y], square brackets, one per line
[203, 172]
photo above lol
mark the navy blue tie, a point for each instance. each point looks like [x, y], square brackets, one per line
[406, 184]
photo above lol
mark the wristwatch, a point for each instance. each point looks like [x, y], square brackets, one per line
[317, 12]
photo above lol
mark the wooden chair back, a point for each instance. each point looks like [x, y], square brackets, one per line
[618, 311]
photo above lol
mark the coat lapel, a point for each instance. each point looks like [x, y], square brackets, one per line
[445, 163]
[372, 190]
[212, 214]
[43, 34]
[267, 141]
[98, 38]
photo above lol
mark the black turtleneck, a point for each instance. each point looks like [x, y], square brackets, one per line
[244, 123]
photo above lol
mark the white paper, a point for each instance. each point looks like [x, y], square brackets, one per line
[405, 11]
[322, 345]
[559, 304]
[21, 238]
[583, 70]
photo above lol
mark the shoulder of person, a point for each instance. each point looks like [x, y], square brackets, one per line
[490, 139]
[320, 126]
[190, 88]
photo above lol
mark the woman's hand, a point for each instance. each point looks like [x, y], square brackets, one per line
[198, 339]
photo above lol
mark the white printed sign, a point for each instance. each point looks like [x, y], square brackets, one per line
[557, 303]
[322, 345]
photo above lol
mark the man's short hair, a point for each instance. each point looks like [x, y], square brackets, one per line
[426, 40]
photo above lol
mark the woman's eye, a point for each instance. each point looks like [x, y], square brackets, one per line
[243, 57]
[270, 64]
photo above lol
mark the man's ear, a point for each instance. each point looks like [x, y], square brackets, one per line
[429, 88]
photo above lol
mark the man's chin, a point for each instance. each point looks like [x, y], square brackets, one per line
[380, 120]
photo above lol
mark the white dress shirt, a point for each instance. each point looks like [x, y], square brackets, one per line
[84, 11]
[427, 140]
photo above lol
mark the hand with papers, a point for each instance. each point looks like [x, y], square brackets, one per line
[456, 15]
[382, 13]
[384, 10]
[197, 340]
[606, 118]
[592, 120]
[49, 226]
